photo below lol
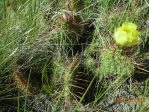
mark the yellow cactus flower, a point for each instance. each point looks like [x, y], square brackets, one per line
[127, 35]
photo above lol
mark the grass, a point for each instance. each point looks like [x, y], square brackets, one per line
[52, 59]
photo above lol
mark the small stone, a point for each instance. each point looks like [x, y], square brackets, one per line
[147, 22]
